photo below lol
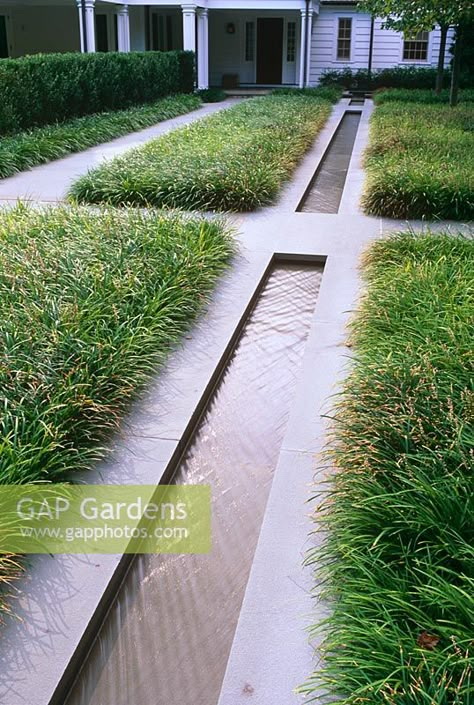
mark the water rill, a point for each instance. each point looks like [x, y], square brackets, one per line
[168, 634]
[325, 190]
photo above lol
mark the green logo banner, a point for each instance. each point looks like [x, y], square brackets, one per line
[64, 518]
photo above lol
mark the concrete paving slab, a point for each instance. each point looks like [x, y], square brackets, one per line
[268, 664]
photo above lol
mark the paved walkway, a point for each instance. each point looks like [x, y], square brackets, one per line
[270, 654]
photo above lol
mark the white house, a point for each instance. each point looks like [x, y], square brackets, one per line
[249, 42]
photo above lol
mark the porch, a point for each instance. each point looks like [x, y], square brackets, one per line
[238, 43]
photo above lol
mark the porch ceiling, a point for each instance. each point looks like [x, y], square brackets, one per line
[226, 4]
[209, 4]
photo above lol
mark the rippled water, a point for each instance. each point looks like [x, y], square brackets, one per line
[326, 191]
[168, 636]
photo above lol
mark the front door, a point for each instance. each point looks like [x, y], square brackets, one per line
[269, 50]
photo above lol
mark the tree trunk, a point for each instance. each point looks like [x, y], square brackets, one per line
[442, 53]
[453, 98]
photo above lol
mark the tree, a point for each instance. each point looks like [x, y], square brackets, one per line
[412, 16]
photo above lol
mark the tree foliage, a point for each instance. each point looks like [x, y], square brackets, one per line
[411, 16]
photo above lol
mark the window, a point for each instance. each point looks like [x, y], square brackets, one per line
[3, 37]
[416, 48]
[249, 41]
[101, 33]
[169, 33]
[291, 42]
[161, 32]
[344, 32]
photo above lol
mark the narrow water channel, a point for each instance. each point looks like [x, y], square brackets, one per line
[167, 638]
[325, 191]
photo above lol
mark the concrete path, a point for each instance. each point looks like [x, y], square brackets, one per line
[271, 654]
[51, 182]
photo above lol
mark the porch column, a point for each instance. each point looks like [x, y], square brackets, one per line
[203, 48]
[86, 25]
[302, 49]
[123, 29]
[309, 26]
[189, 27]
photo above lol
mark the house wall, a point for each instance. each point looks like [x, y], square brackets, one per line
[227, 51]
[41, 29]
[387, 49]
[34, 29]
[38, 28]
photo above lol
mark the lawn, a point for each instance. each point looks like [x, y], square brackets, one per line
[398, 562]
[90, 305]
[420, 161]
[235, 160]
[43, 144]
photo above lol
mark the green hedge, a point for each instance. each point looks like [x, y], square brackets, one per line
[397, 77]
[49, 88]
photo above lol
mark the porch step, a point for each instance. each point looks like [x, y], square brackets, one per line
[246, 92]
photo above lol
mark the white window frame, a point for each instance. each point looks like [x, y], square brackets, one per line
[287, 36]
[414, 62]
[347, 16]
[254, 45]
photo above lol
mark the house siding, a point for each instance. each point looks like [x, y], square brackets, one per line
[387, 49]
[41, 29]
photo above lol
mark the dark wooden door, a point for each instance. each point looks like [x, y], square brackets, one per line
[269, 50]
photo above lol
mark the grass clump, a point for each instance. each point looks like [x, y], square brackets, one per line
[398, 560]
[413, 95]
[90, 304]
[420, 161]
[235, 160]
[44, 144]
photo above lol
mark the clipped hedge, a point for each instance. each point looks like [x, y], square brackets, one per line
[50, 88]
[397, 77]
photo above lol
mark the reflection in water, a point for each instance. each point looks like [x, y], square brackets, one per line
[326, 192]
[168, 636]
